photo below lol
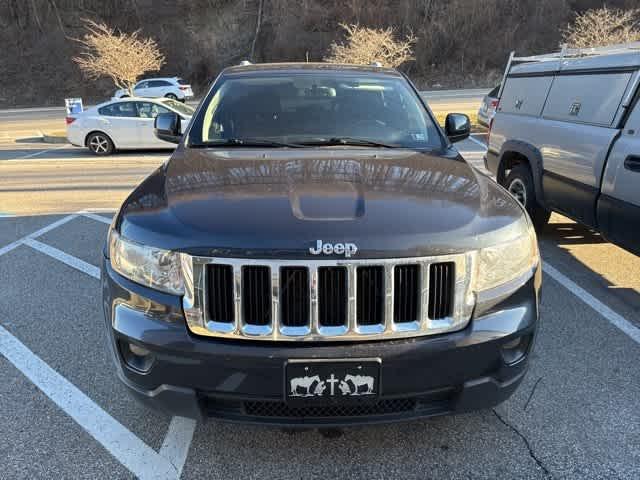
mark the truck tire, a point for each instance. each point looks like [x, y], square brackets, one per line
[519, 183]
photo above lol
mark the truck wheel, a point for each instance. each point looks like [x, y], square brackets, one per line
[519, 183]
[100, 144]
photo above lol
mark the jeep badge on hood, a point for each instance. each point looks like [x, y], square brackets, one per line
[346, 249]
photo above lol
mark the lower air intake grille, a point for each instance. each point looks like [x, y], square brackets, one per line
[256, 295]
[282, 410]
[220, 280]
[441, 284]
[332, 296]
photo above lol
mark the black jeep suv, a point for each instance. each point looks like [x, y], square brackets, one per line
[316, 252]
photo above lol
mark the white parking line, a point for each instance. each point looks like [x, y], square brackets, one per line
[475, 140]
[177, 442]
[97, 218]
[31, 155]
[175, 447]
[65, 258]
[614, 318]
[126, 447]
[7, 248]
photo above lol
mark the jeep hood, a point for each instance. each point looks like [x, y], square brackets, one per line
[277, 203]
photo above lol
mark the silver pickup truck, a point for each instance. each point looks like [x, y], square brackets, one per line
[566, 138]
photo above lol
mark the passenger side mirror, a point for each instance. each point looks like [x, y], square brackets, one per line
[457, 126]
[167, 127]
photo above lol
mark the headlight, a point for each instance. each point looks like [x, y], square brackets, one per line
[148, 266]
[509, 261]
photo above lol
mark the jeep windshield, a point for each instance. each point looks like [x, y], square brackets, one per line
[313, 109]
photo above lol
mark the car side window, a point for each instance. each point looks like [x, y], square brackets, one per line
[120, 109]
[158, 83]
[150, 109]
[142, 85]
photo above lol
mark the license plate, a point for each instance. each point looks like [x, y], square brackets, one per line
[309, 382]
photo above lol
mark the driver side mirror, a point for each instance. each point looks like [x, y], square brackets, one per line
[457, 126]
[167, 127]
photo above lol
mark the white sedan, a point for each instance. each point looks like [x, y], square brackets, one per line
[123, 124]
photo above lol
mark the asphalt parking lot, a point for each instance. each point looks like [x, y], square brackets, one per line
[65, 415]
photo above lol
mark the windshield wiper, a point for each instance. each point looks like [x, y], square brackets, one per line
[248, 142]
[355, 141]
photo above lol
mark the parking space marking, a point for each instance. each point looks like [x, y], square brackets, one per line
[97, 218]
[175, 446]
[35, 154]
[475, 140]
[63, 257]
[177, 442]
[7, 248]
[125, 446]
[614, 318]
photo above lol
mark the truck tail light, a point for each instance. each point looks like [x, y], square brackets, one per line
[494, 103]
[69, 120]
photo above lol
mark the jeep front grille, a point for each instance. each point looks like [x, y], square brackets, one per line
[317, 300]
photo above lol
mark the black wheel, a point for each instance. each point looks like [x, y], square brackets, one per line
[100, 144]
[519, 183]
[171, 96]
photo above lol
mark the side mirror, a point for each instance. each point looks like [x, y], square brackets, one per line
[457, 126]
[167, 127]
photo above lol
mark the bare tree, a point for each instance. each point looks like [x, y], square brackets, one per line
[123, 57]
[367, 45]
[603, 26]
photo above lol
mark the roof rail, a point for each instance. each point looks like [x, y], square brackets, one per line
[566, 52]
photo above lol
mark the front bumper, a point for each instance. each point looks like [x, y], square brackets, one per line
[244, 381]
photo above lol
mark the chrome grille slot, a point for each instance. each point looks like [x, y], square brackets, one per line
[294, 296]
[441, 285]
[370, 296]
[332, 296]
[220, 288]
[328, 299]
[406, 293]
[256, 295]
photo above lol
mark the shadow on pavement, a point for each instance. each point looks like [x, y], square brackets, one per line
[571, 233]
[601, 268]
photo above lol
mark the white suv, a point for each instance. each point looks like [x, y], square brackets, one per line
[170, 87]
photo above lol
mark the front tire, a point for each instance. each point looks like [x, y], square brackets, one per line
[520, 184]
[171, 96]
[100, 144]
